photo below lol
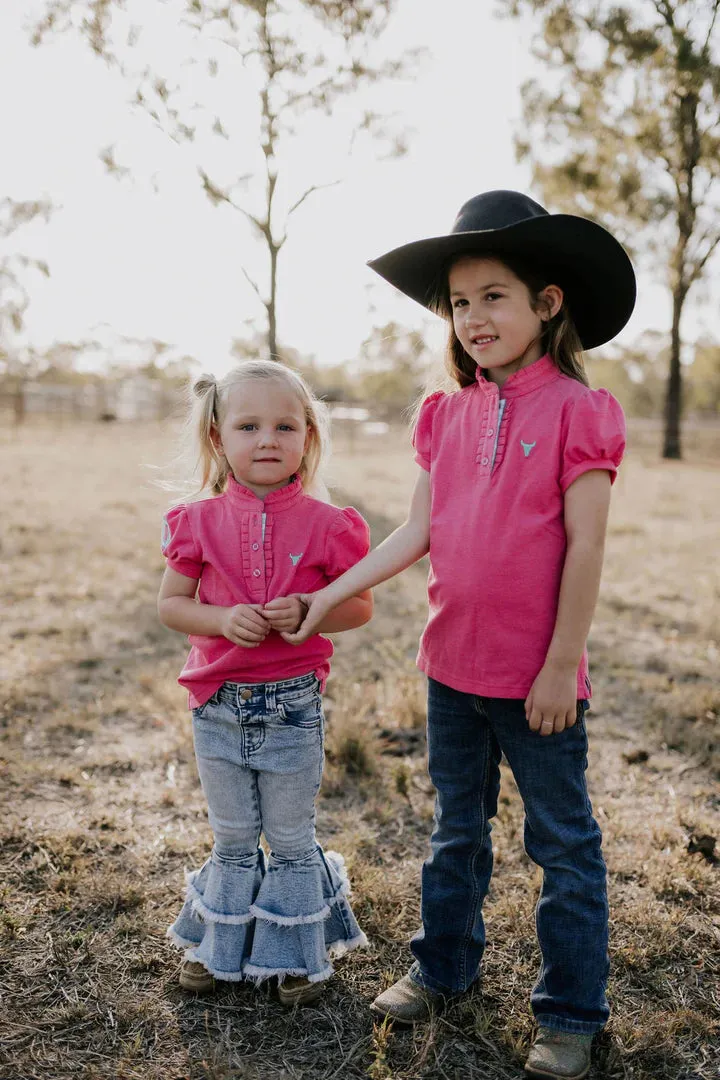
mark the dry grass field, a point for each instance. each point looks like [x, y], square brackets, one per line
[102, 809]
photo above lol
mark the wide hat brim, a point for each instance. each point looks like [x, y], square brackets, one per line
[584, 259]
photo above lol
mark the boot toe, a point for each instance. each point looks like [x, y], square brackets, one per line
[406, 1003]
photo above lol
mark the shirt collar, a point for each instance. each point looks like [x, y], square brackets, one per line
[280, 499]
[523, 381]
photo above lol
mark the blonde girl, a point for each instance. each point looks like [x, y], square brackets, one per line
[236, 562]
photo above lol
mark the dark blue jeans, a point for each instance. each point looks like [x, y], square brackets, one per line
[466, 737]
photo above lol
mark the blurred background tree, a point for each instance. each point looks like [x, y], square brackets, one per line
[302, 58]
[629, 133]
[14, 297]
[393, 367]
[15, 364]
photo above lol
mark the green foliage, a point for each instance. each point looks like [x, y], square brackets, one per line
[393, 367]
[626, 129]
[705, 379]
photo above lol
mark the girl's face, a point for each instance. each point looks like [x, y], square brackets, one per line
[493, 318]
[263, 434]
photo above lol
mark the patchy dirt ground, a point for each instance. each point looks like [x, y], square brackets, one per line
[102, 809]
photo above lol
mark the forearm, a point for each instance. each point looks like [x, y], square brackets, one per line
[186, 615]
[579, 588]
[400, 550]
[348, 615]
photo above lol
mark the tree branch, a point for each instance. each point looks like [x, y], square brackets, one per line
[255, 287]
[700, 264]
[706, 46]
[315, 187]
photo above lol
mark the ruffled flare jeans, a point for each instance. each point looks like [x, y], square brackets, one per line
[259, 752]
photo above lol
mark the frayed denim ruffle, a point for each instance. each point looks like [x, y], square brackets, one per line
[243, 920]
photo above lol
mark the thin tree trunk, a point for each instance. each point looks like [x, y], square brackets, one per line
[271, 306]
[673, 399]
[19, 402]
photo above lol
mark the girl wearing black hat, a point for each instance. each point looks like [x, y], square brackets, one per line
[511, 502]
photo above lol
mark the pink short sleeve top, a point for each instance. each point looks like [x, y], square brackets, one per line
[500, 462]
[246, 550]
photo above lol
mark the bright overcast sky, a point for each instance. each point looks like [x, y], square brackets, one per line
[166, 264]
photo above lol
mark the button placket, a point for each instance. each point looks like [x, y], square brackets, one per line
[492, 428]
[253, 556]
[487, 431]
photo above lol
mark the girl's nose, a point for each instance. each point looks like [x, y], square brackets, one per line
[268, 438]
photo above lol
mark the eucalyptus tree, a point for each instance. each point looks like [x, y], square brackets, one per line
[624, 126]
[279, 64]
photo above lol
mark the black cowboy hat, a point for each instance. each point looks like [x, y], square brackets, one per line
[588, 264]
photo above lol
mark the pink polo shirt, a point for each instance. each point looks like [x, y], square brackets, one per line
[500, 462]
[247, 550]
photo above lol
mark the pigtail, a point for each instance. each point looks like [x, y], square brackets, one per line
[211, 462]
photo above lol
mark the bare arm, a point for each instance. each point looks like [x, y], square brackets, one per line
[286, 613]
[349, 614]
[552, 702]
[401, 549]
[178, 609]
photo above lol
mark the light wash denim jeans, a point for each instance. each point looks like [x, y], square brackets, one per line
[259, 751]
[466, 737]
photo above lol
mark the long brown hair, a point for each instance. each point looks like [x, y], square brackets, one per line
[559, 337]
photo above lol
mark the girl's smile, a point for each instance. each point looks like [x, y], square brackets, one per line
[493, 317]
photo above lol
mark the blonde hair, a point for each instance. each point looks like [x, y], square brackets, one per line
[209, 399]
[559, 337]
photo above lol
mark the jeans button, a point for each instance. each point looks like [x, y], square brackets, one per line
[246, 694]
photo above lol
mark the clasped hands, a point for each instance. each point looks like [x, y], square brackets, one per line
[248, 625]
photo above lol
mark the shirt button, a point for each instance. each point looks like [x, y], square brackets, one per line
[256, 573]
[255, 547]
[491, 432]
[486, 461]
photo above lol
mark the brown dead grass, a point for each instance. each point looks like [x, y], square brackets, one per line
[102, 809]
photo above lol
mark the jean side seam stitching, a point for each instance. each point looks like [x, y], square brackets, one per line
[472, 915]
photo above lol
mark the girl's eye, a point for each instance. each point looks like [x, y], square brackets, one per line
[286, 427]
[246, 427]
[459, 303]
[493, 296]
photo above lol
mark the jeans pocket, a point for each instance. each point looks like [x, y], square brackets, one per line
[303, 710]
[211, 703]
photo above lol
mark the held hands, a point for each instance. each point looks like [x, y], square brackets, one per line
[247, 625]
[244, 625]
[285, 613]
[551, 704]
[315, 607]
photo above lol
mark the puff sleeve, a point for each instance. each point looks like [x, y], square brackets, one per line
[179, 545]
[595, 437]
[423, 432]
[348, 541]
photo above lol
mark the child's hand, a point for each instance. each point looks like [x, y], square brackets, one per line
[551, 704]
[244, 625]
[316, 608]
[285, 613]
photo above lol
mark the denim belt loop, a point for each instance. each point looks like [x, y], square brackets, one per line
[270, 697]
